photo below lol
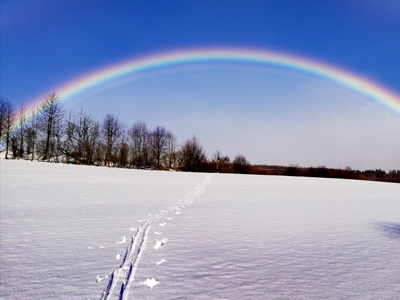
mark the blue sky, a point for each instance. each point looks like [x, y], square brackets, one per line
[271, 115]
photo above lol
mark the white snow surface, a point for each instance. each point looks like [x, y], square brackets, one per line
[229, 236]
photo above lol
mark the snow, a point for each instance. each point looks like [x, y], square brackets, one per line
[160, 243]
[123, 240]
[151, 282]
[194, 235]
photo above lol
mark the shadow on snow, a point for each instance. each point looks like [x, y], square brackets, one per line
[390, 229]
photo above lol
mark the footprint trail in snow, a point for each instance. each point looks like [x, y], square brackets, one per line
[120, 280]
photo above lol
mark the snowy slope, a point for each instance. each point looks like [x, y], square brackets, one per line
[166, 235]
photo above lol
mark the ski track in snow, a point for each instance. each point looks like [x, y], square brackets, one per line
[124, 274]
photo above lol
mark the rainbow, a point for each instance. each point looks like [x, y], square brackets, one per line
[354, 82]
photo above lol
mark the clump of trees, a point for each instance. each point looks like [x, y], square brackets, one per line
[192, 157]
[48, 134]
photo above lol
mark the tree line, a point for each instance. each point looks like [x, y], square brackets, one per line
[324, 172]
[50, 134]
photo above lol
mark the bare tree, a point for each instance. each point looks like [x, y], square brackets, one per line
[3, 104]
[170, 150]
[123, 153]
[14, 143]
[56, 142]
[71, 144]
[82, 134]
[51, 114]
[138, 136]
[241, 165]
[91, 139]
[31, 133]
[158, 144]
[192, 156]
[21, 130]
[18, 133]
[99, 153]
[7, 121]
[111, 130]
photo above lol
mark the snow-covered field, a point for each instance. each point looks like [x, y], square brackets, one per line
[77, 232]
